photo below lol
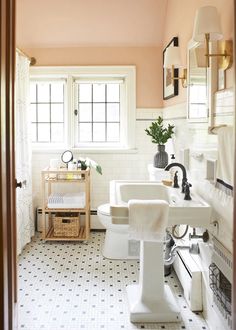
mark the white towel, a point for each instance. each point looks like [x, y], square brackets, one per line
[148, 219]
[225, 162]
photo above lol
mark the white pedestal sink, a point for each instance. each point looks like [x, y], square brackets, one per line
[151, 300]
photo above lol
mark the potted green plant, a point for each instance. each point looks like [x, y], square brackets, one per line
[87, 162]
[160, 135]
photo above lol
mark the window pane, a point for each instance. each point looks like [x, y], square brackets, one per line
[85, 92]
[85, 112]
[57, 92]
[113, 132]
[57, 112]
[99, 132]
[85, 132]
[43, 113]
[197, 110]
[33, 133]
[43, 92]
[33, 112]
[98, 92]
[99, 112]
[43, 132]
[113, 92]
[32, 92]
[113, 112]
[57, 133]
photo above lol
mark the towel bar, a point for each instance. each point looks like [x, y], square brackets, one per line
[214, 129]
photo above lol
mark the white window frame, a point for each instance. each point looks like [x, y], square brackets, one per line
[128, 114]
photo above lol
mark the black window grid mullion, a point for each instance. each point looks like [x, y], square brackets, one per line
[119, 112]
[105, 112]
[92, 112]
[98, 122]
[50, 116]
[63, 118]
[37, 131]
[78, 113]
[47, 102]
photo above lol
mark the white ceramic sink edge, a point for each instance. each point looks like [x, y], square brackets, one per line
[196, 212]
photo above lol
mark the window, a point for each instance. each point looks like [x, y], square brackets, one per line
[83, 107]
[98, 114]
[47, 111]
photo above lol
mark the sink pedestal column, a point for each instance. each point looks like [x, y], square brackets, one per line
[151, 300]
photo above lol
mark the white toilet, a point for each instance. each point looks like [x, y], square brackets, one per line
[117, 244]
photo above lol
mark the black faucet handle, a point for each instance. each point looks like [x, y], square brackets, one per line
[176, 183]
[187, 196]
[184, 182]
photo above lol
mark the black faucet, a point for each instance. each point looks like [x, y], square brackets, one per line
[184, 178]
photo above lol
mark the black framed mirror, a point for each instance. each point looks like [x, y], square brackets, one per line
[170, 87]
[67, 157]
[198, 83]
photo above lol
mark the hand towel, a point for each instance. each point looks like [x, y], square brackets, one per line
[225, 162]
[148, 219]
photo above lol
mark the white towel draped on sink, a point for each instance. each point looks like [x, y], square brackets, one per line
[148, 219]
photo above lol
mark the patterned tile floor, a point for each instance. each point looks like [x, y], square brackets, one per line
[70, 286]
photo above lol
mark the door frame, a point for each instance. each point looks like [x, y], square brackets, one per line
[8, 271]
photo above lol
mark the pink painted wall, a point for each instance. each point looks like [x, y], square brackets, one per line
[148, 61]
[90, 23]
[179, 22]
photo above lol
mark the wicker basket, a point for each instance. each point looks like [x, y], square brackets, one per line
[66, 225]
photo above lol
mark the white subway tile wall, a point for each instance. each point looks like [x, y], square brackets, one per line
[133, 165]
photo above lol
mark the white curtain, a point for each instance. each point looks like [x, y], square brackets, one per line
[24, 209]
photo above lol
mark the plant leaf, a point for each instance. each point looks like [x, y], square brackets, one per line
[158, 133]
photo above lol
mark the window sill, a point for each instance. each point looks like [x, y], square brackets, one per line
[85, 151]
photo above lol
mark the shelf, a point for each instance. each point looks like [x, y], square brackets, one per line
[65, 209]
[80, 237]
[56, 180]
[64, 170]
[63, 175]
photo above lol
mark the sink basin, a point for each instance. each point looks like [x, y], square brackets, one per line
[141, 190]
[195, 212]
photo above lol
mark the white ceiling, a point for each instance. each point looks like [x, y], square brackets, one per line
[75, 23]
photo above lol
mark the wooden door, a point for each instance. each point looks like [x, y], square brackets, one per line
[7, 167]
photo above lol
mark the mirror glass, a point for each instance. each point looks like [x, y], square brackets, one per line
[67, 156]
[197, 83]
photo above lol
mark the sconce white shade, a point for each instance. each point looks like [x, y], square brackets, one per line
[207, 21]
[172, 57]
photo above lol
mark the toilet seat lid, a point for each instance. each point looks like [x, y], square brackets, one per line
[104, 209]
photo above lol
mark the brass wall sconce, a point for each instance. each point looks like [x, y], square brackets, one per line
[225, 47]
[173, 60]
[207, 28]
